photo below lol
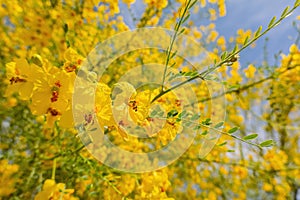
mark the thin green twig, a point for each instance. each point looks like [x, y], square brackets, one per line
[219, 131]
[169, 50]
[249, 167]
[247, 86]
[65, 153]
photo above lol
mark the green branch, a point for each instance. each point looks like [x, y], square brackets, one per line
[65, 153]
[247, 86]
[291, 168]
[182, 19]
[219, 131]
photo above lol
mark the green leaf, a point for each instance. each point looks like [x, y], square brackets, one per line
[172, 113]
[286, 10]
[246, 40]
[233, 87]
[153, 113]
[233, 130]
[207, 122]
[189, 73]
[230, 150]
[204, 132]
[186, 124]
[267, 143]
[195, 73]
[182, 30]
[197, 127]
[272, 22]
[223, 55]
[53, 3]
[182, 114]
[297, 3]
[160, 114]
[258, 31]
[173, 54]
[218, 125]
[234, 50]
[190, 6]
[172, 76]
[68, 43]
[66, 28]
[181, 73]
[222, 144]
[250, 137]
[89, 186]
[173, 65]
[195, 116]
[186, 18]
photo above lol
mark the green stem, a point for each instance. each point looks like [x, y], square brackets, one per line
[233, 136]
[177, 26]
[292, 168]
[220, 131]
[112, 185]
[247, 86]
[65, 154]
[53, 169]
[176, 86]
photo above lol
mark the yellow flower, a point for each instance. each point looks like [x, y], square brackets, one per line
[275, 159]
[11, 102]
[159, 4]
[51, 190]
[7, 182]
[103, 105]
[240, 171]
[212, 1]
[293, 49]
[267, 187]
[212, 13]
[154, 185]
[223, 170]
[52, 95]
[197, 34]
[221, 42]
[222, 8]
[140, 105]
[242, 35]
[73, 60]
[21, 78]
[250, 71]
[128, 2]
[212, 36]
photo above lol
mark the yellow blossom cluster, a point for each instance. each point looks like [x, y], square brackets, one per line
[7, 182]
[52, 190]
[44, 46]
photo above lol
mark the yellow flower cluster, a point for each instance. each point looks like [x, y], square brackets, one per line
[55, 191]
[159, 4]
[48, 87]
[45, 82]
[155, 185]
[7, 179]
[250, 71]
[242, 35]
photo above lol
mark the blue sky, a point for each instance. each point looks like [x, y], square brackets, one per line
[247, 14]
